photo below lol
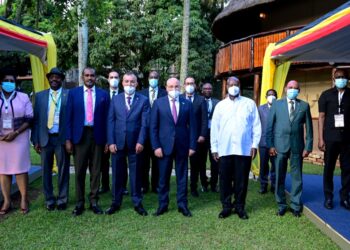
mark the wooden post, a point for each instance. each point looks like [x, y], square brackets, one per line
[223, 87]
[256, 95]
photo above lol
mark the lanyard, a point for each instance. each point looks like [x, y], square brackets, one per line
[6, 100]
[56, 101]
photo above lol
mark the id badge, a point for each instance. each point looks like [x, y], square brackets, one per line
[56, 119]
[339, 121]
[7, 123]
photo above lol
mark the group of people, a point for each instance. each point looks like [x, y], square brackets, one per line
[155, 128]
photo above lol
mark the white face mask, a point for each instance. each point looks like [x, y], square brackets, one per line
[233, 91]
[189, 89]
[270, 98]
[114, 83]
[129, 90]
[174, 93]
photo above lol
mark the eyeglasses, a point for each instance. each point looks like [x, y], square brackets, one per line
[87, 75]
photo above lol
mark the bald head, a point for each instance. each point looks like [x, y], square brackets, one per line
[172, 84]
[292, 85]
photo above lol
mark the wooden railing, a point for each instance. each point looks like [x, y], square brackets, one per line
[247, 53]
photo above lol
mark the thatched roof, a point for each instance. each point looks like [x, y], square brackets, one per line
[238, 5]
[234, 7]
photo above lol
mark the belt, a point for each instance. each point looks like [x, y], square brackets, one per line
[54, 134]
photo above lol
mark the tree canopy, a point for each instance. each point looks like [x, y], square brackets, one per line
[126, 35]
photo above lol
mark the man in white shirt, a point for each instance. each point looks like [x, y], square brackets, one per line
[235, 135]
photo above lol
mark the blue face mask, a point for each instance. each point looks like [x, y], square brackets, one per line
[8, 86]
[341, 83]
[292, 93]
[153, 83]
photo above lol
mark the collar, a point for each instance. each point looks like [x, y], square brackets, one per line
[288, 100]
[132, 96]
[93, 88]
[111, 90]
[155, 89]
[171, 99]
[237, 98]
[57, 91]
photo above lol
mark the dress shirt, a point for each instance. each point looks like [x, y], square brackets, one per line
[111, 93]
[177, 105]
[235, 127]
[55, 128]
[93, 92]
[150, 89]
[131, 100]
[188, 97]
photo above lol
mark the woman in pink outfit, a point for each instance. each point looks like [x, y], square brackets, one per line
[16, 115]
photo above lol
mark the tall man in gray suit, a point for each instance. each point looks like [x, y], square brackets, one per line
[265, 158]
[285, 140]
[49, 136]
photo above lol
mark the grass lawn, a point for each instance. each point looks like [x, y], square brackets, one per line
[127, 230]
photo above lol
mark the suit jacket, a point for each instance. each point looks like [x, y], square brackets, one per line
[40, 132]
[263, 113]
[214, 101]
[161, 92]
[285, 135]
[166, 134]
[200, 112]
[126, 128]
[76, 115]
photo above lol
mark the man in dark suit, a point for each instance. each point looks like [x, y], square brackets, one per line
[285, 140]
[334, 137]
[265, 157]
[113, 81]
[197, 161]
[207, 91]
[87, 110]
[127, 132]
[173, 136]
[49, 136]
[153, 92]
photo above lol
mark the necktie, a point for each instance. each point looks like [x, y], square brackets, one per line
[89, 106]
[173, 110]
[190, 98]
[128, 98]
[292, 111]
[53, 101]
[208, 105]
[153, 96]
[113, 93]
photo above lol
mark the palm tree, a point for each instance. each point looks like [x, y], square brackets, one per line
[185, 41]
[83, 32]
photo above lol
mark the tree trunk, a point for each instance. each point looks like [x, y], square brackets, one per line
[83, 36]
[8, 8]
[19, 11]
[185, 41]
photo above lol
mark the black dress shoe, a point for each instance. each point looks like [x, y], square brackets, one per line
[281, 212]
[195, 193]
[144, 190]
[226, 212]
[50, 207]
[125, 192]
[161, 211]
[328, 203]
[263, 190]
[78, 210]
[345, 204]
[242, 214]
[296, 213]
[185, 211]
[154, 190]
[103, 190]
[272, 189]
[96, 209]
[204, 189]
[62, 206]
[112, 209]
[140, 210]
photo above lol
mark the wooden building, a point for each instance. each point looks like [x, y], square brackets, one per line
[246, 27]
